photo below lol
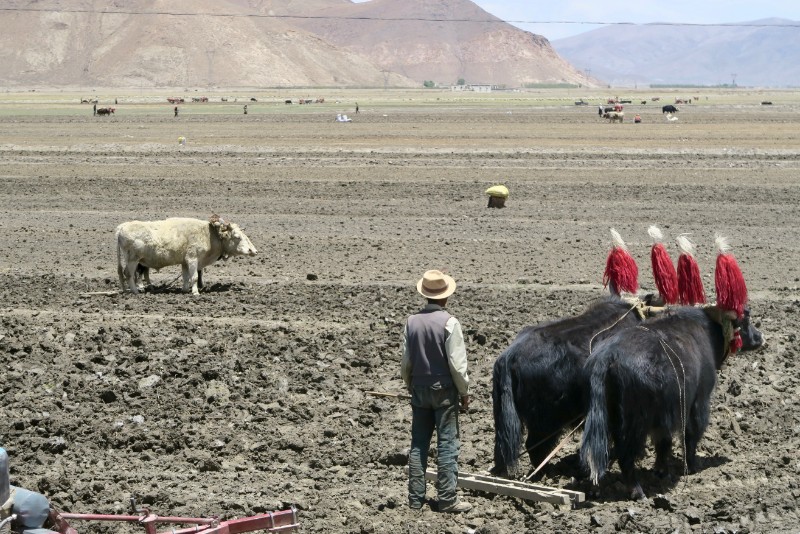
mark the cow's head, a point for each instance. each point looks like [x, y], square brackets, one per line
[234, 241]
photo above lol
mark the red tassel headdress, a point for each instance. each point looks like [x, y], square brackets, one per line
[664, 273]
[621, 272]
[730, 286]
[690, 284]
[731, 289]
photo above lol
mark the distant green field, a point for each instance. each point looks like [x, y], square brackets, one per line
[337, 100]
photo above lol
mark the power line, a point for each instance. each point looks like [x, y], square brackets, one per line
[401, 19]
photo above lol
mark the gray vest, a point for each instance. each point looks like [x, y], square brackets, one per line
[426, 336]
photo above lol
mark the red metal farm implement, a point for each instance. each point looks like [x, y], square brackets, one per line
[25, 511]
[282, 521]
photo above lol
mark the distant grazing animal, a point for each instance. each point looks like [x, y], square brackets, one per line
[669, 108]
[193, 244]
[656, 379]
[253, 100]
[538, 381]
[601, 110]
[105, 111]
[287, 101]
[614, 116]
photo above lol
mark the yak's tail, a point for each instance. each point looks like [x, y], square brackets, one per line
[594, 446]
[507, 425]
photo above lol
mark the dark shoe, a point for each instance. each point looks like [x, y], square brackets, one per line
[456, 508]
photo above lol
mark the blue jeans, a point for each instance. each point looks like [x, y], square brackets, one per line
[433, 408]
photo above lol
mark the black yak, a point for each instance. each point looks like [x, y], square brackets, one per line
[538, 381]
[656, 379]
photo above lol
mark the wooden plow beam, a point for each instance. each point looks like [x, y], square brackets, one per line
[514, 488]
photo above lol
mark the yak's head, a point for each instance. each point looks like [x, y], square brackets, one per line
[749, 333]
[737, 331]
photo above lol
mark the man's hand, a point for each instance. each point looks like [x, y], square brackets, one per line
[464, 403]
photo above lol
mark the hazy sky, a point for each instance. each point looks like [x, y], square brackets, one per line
[640, 11]
[543, 14]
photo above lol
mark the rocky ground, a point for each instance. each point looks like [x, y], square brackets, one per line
[252, 396]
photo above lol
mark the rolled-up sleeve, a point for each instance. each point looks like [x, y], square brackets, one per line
[457, 355]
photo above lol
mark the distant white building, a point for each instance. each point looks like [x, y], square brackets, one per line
[477, 87]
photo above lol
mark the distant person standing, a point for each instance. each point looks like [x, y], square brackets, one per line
[94, 109]
[245, 109]
[176, 111]
[356, 107]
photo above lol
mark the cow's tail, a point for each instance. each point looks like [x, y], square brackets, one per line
[594, 446]
[121, 262]
[507, 425]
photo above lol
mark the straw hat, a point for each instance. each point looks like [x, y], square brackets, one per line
[436, 285]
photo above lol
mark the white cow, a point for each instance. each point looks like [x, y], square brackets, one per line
[191, 243]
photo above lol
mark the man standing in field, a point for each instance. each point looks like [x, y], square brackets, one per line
[434, 368]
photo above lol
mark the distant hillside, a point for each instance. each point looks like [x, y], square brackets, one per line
[422, 47]
[758, 55]
[90, 48]
[218, 43]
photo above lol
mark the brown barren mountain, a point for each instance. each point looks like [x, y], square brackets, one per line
[243, 43]
[438, 40]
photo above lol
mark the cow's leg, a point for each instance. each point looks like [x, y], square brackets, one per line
[130, 275]
[199, 278]
[146, 276]
[123, 283]
[190, 277]
[142, 277]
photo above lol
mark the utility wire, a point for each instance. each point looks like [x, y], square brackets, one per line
[401, 19]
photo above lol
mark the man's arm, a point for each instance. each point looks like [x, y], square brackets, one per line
[405, 364]
[457, 356]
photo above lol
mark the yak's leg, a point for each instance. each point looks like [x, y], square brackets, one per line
[662, 441]
[695, 428]
[199, 278]
[538, 453]
[629, 443]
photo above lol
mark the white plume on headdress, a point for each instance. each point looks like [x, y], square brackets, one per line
[655, 233]
[618, 242]
[722, 244]
[685, 246]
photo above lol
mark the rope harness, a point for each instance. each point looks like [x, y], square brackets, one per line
[670, 354]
